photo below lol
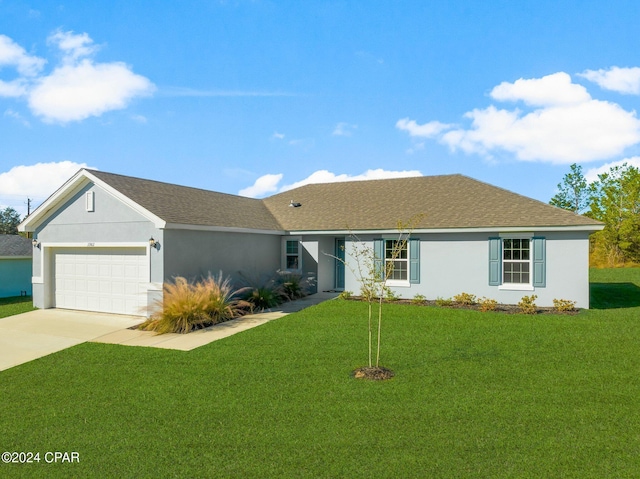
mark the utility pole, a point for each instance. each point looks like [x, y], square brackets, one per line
[28, 212]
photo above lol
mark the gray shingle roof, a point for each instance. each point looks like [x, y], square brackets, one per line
[192, 206]
[448, 201]
[14, 245]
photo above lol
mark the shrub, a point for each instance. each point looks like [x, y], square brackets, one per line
[345, 295]
[290, 285]
[444, 301]
[465, 299]
[418, 299]
[564, 305]
[262, 297]
[527, 304]
[186, 306]
[390, 295]
[487, 304]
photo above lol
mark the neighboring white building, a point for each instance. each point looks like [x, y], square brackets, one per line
[94, 250]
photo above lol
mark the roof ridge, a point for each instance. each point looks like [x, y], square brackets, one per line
[369, 180]
[173, 185]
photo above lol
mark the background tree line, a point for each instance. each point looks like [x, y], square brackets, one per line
[9, 221]
[614, 199]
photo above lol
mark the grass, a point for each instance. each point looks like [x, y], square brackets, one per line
[475, 395]
[15, 305]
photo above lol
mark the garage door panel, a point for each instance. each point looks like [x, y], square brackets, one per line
[101, 279]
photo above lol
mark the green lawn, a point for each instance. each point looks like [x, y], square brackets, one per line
[475, 395]
[15, 305]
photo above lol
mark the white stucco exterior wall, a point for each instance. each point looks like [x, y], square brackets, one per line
[459, 262]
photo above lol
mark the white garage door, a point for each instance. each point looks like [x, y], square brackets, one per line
[110, 280]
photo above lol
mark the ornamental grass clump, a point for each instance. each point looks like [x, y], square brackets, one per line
[262, 297]
[291, 285]
[186, 307]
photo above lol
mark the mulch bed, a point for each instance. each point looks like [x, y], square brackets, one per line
[500, 308]
[373, 373]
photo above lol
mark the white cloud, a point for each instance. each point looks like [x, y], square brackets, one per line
[38, 181]
[621, 80]
[12, 54]
[277, 136]
[14, 88]
[568, 125]
[78, 87]
[344, 129]
[556, 89]
[263, 185]
[76, 92]
[73, 46]
[591, 175]
[269, 183]
[428, 130]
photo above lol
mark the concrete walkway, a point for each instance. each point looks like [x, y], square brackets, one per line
[187, 342]
[28, 336]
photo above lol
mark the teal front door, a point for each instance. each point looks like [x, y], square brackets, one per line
[339, 268]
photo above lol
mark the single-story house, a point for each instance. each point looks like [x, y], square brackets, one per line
[107, 242]
[15, 266]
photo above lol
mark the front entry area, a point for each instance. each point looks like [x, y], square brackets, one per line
[109, 280]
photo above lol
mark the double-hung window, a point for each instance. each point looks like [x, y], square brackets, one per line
[399, 259]
[516, 261]
[292, 254]
[396, 260]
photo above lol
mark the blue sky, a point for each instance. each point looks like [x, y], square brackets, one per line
[253, 97]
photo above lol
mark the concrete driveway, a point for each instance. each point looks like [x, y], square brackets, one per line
[31, 335]
[28, 336]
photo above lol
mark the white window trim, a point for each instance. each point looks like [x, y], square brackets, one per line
[398, 283]
[403, 283]
[517, 286]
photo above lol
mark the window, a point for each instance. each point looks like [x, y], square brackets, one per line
[292, 254]
[398, 266]
[516, 261]
[406, 267]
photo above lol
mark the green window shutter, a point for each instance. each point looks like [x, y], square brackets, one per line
[539, 262]
[378, 250]
[495, 261]
[414, 260]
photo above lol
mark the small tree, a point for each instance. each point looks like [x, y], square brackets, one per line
[373, 273]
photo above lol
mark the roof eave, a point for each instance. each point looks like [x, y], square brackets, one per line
[222, 229]
[483, 229]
